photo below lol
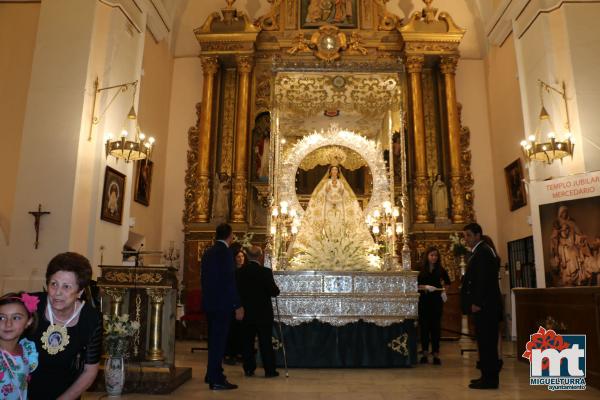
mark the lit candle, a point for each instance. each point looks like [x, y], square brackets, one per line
[399, 228]
[396, 212]
[275, 211]
[376, 229]
[273, 229]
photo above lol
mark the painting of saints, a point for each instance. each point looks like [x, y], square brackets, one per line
[341, 13]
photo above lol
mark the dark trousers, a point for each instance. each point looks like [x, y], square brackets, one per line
[263, 331]
[218, 328]
[234, 341]
[430, 323]
[486, 332]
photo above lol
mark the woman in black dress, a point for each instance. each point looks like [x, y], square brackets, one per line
[234, 341]
[431, 301]
[69, 334]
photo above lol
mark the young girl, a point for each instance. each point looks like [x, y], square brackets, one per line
[430, 284]
[18, 358]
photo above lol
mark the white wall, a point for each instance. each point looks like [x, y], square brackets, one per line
[471, 91]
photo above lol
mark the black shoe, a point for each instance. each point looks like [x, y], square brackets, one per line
[424, 360]
[222, 386]
[248, 373]
[273, 374]
[483, 385]
[476, 380]
[437, 361]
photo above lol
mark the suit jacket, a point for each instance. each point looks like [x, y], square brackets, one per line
[219, 293]
[256, 286]
[480, 282]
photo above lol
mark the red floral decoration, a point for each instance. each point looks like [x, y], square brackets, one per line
[545, 339]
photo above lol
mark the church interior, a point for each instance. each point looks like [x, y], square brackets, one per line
[346, 138]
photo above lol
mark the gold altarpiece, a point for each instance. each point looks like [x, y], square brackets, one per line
[239, 112]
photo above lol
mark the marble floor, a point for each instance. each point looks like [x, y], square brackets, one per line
[448, 381]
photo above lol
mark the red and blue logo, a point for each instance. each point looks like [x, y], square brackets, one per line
[557, 361]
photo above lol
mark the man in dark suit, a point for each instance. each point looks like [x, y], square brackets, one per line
[480, 296]
[256, 286]
[220, 298]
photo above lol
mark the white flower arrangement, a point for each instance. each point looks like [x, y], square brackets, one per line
[117, 331]
[458, 245]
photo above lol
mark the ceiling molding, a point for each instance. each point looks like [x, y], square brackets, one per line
[130, 10]
[159, 22]
[500, 25]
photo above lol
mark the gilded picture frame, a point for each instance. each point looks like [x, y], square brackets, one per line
[515, 185]
[113, 195]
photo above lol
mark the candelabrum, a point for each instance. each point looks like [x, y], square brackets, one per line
[171, 256]
[385, 225]
[284, 226]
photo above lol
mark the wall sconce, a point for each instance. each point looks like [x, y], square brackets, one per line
[123, 148]
[538, 148]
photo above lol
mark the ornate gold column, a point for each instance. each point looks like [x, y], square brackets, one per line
[210, 66]
[155, 352]
[448, 67]
[414, 65]
[240, 176]
[116, 295]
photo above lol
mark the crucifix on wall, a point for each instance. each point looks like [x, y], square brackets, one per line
[38, 215]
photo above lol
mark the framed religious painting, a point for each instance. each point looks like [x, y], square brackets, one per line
[515, 185]
[143, 182]
[112, 196]
[340, 13]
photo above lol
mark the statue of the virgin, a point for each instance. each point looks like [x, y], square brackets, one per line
[333, 234]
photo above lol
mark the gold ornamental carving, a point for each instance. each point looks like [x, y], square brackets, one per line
[291, 20]
[448, 64]
[138, 318]
[203, 198]
[245, 64]
[262, 92]
[300, 44]
[387, 20]
[228, 124]
[429, 25]
[328, 42]
[347, 158]
[210, 65]
[356, 44]
[458, 203]
[270, 21]
[367, 94]
[400, 344]
[116, 294]
[465, 165]
[431, 125]
[430, 47]
[133, 278]
[190, 213]
[414, 63]
[422, 199]
[239, 199]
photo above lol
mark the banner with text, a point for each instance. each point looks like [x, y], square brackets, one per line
[566, 226]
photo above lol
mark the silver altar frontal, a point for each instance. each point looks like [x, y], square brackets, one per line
[339, 298]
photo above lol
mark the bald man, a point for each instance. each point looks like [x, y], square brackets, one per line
[256, 287]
